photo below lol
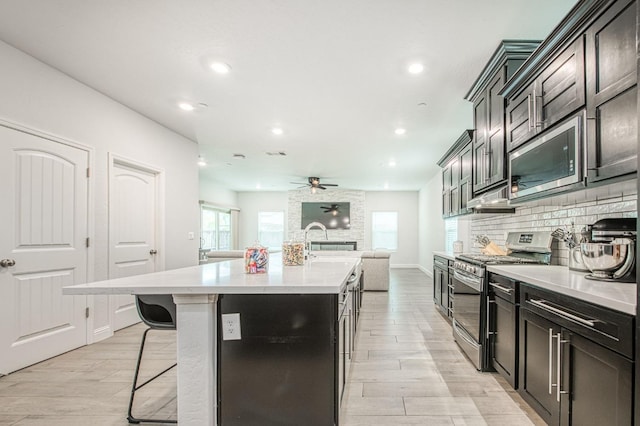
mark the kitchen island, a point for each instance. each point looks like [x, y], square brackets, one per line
[195, 291]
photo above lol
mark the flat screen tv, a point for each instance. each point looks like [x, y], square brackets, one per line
[331, 214]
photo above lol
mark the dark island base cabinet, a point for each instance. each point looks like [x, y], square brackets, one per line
[566, 377]
[284, 369]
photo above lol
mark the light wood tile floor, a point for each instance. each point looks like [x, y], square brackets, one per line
[407, 370]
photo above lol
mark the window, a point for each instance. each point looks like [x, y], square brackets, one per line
[451, 233]
[271, 229]
[215, 229]
[384, 230]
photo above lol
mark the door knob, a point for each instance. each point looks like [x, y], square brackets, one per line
[153, 252]
[7, 263]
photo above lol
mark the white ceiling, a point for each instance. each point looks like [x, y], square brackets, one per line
[331, 73]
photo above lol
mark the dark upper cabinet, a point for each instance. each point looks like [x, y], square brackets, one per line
[557, 92]
[588, 63]
[465, 184]
[446, 191]
[489, 161]
[612, 93]
[456, 176]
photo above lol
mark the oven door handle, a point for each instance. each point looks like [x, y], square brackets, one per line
[473, 282]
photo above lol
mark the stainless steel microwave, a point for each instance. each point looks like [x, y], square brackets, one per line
[549, 163]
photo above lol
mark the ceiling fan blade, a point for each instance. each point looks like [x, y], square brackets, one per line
[299, 183]
[320, 186]
[330, 184]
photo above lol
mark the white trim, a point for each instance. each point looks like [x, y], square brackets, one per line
[218, 206]
[404, 266]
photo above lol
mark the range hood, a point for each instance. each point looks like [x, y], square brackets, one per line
[494, 201]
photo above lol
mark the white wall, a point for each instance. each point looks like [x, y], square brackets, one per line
[39, 97]
[216, 194]
[406, 204]
[250, 203]
[430, 223]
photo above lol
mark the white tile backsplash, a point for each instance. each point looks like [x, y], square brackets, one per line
[578, 210]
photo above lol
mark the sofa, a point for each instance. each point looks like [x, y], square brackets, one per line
[221, 255]
[375, 265]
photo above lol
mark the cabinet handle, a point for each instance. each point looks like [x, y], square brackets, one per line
[551, 385]
[501, 288]
[535, 109]
[529, 112]
[564, 314]
[489, 302]
[559, 369]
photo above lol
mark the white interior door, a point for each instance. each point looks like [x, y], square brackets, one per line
[44, 232]
[133, 220]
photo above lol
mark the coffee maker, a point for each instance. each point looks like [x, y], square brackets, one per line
[610, 254]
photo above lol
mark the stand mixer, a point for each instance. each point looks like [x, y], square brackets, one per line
[610, 256]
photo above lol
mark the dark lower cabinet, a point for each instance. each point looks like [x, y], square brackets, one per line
[565, 375]
[502, 331]
[538, 370]
[441, 285]
[598, 383]
[503, 338]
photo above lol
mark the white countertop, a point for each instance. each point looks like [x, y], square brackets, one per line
[618, 296]
[446, 254]
[319, 276]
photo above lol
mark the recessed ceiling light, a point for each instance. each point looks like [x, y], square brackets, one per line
[186, 106]
[400, 131]
[392, 163]
[201, 161]
[258, 186]
[386, 185]
[416, 68]
[220, 67]
[277, 131]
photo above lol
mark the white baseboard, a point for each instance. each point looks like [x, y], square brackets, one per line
[428, 272]
[404, 266]
[101, 334]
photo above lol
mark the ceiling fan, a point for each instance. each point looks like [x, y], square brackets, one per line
[314, 184]
[334, 209]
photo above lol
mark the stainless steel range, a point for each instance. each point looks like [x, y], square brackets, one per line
[470, 292]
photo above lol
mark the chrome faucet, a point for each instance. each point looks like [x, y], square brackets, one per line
[307, 243]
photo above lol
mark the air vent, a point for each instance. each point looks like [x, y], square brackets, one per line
[242, 156]
[278, 153]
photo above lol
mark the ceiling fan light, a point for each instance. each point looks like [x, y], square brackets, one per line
[313, 189]
[415, 68]
[220, 67]
[186, 106]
